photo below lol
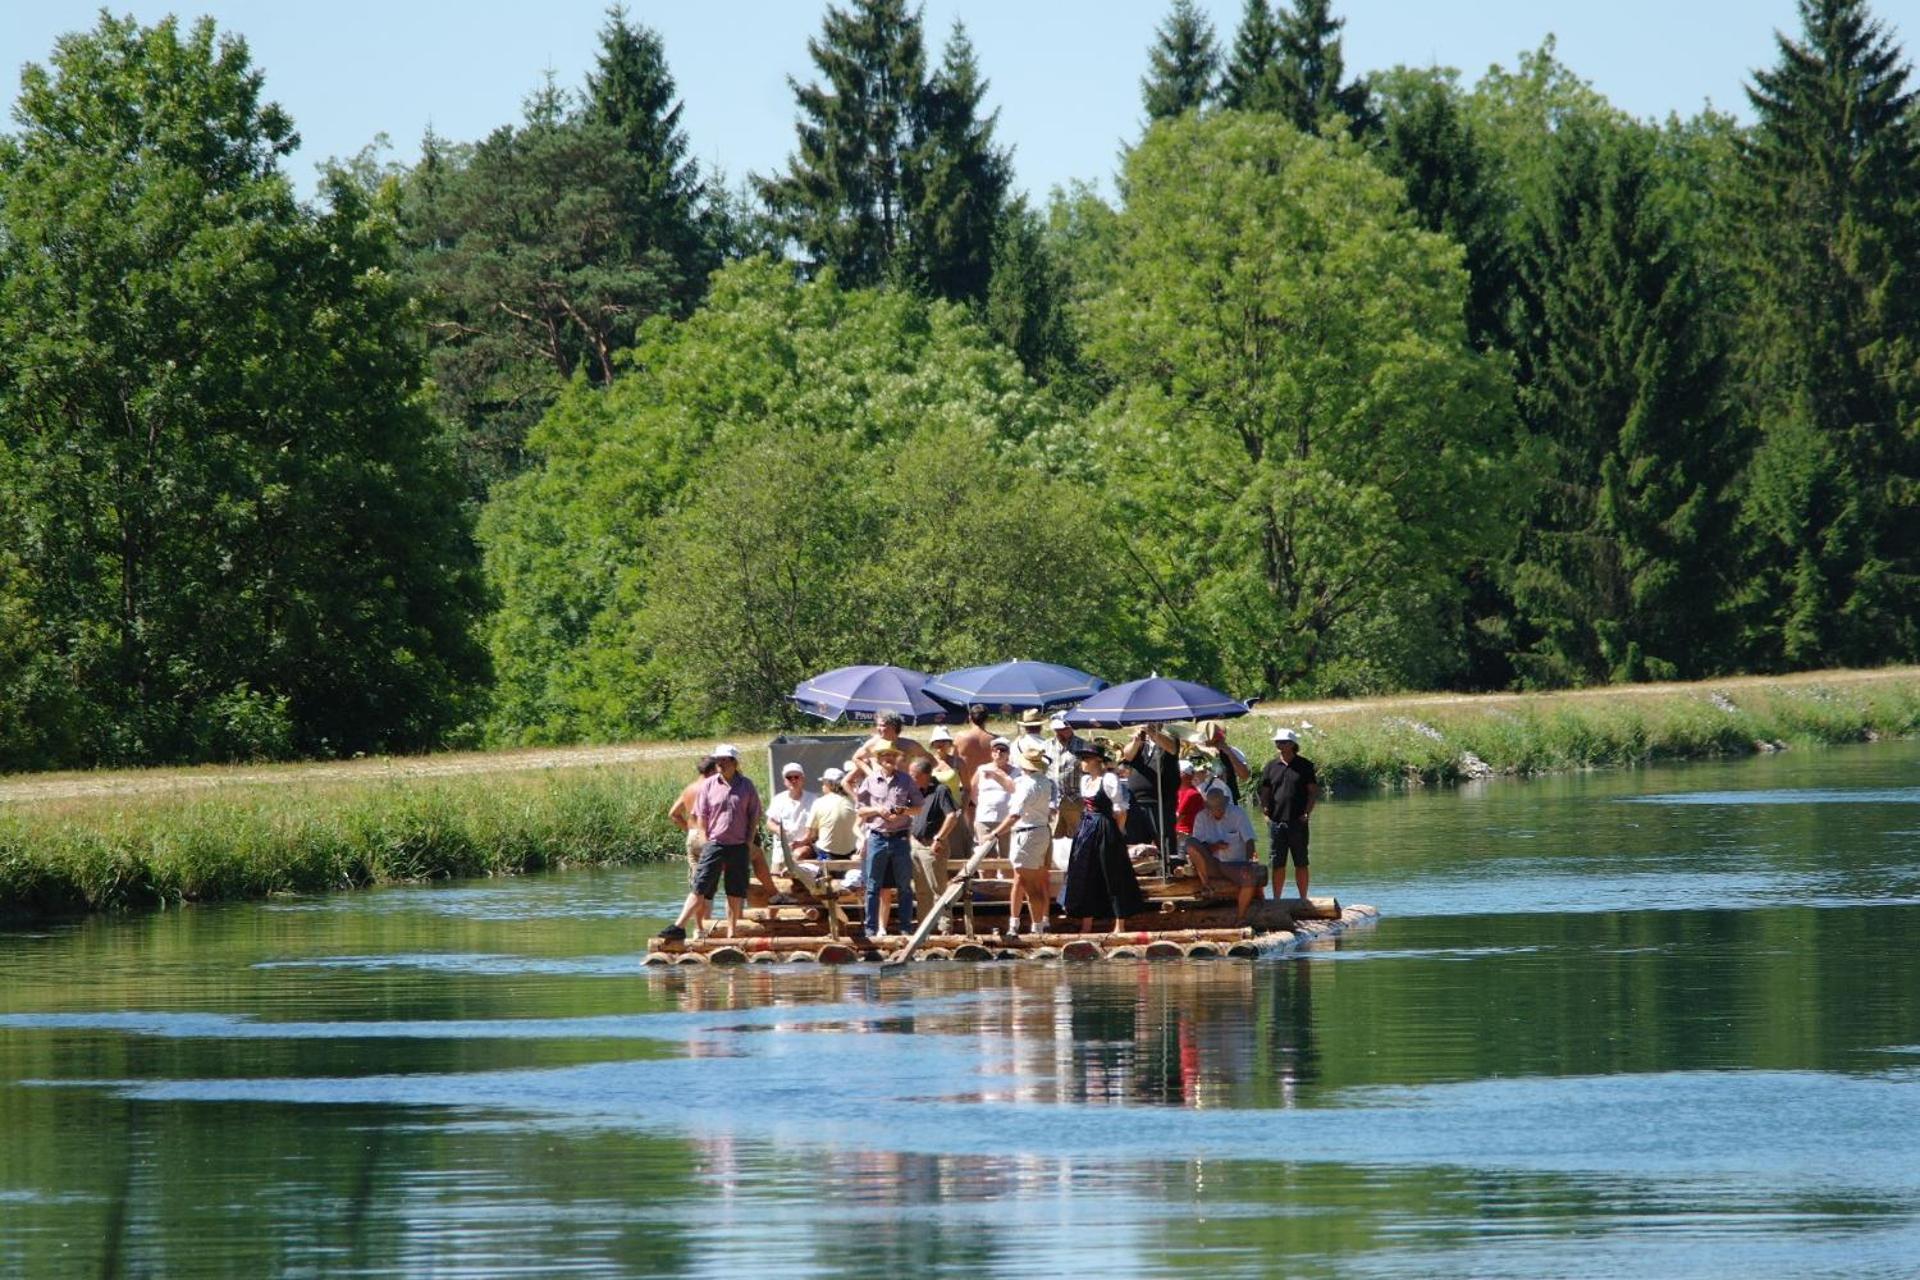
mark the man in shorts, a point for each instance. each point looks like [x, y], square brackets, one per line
[726, 813]
[1288, 791]
[1029, 825]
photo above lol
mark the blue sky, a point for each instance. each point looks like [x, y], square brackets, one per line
[1064, 73]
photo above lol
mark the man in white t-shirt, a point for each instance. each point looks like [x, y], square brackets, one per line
[1028, 826]
[1222, 850]
[787, 815]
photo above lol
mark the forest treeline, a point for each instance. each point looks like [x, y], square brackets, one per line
[1362, 381]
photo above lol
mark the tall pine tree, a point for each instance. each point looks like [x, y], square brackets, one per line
[1834, 348]
[541, 249]
[963, 188]
[1307, 69]
[1625, 569]
[1247, 84]
[896, 178]
[1181, 64]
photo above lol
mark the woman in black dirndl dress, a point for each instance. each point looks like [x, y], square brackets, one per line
[1100, 879]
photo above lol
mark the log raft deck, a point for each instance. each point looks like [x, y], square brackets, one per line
[1179, 921]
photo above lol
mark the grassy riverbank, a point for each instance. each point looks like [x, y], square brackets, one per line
[88, 842]
[1441, 739]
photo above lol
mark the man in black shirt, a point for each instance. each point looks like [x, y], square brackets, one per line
[1152, 757]
[1289, 788]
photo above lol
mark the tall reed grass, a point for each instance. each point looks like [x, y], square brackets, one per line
[252, 841]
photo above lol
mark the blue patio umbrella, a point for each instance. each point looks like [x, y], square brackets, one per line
[1009, 686]
[863, 693]
[1153, 701]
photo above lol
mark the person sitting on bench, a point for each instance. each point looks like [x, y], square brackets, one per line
[1222, 850]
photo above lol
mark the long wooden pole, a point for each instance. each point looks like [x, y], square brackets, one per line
[945, 900]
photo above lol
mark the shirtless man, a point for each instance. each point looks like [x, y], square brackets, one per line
[886, 732]
[973, 744]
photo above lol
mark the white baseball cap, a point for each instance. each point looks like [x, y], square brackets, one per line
[726, 751]
[1213, 789]
[1001, 742]
[940, 734]
[1186, 766]
[831, 774]
[793, 767]
[1284, 735]
[1058, 722]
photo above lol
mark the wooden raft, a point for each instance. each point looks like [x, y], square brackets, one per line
[1180, 923]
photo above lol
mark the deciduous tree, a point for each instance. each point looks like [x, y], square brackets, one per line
[1303, 437]
[236, 533]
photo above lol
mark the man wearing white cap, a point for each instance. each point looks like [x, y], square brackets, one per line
[726, 813]
[787, 815]
[1289, 789]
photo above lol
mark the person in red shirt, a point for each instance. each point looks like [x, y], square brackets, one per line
[1188, 802]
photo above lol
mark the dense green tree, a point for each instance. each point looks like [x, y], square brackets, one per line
[1833, 347]
[1027, 303]
[1306, 445]
[1308, 67]
[895, 429]
[1429, 142]
[231, 529]
[541, 249]
[1627, 564]
[1181, 64]
[1247, 83]
[896, 178]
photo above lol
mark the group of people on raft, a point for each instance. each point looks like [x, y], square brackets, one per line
[904, 809]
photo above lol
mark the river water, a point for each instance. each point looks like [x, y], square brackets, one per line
[1660, 1023]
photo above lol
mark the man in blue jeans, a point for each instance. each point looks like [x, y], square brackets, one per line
[887, 801]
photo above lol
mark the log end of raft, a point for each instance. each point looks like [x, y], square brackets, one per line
[1244, 950]
[1125, 951]
[726, 955]
[694, 958]
[1203, 950]
[656, 960]
[1080, 949]
[763, 957]
[837, 953]
[1165, 949]
[1044, 953]
[972, 951]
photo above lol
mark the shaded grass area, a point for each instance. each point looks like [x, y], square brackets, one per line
[1558, 732]
[250, 842]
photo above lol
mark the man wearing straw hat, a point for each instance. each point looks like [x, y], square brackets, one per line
[887, 801]
[1029, 825]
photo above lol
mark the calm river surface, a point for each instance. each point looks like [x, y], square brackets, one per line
[1662, 1023]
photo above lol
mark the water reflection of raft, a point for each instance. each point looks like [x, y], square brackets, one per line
[1179, 923]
